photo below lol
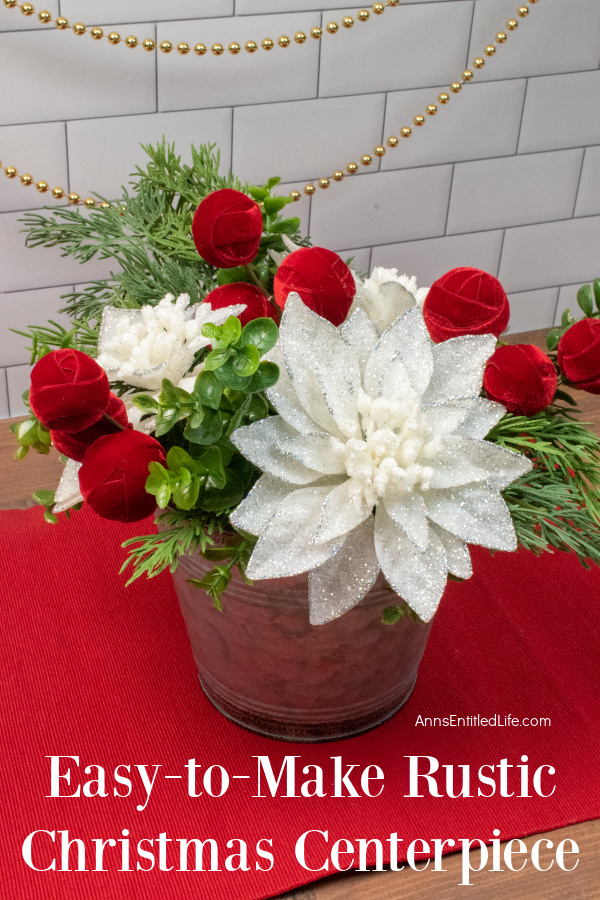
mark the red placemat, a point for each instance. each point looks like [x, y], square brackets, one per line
[94, 670]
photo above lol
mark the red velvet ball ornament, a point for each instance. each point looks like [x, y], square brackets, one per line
[69, 390]
[75, 445]
[113, 475]
[465, 301]
[227, 229]
[579, 355]
[257, 305]
[321, 278]
[522, 378]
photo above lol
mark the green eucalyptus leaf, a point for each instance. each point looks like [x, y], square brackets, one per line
[261, 333]
[232, 329]
[552, 338]
[163, 495]
[567, 319]
[214, 499]
[209, 431]
[216, 359]
[21, 452]
[168, 394]
[185, 492]
[231, 379]
[166, 418]
[44, 498]
[596, 289]
[273, 182]
[265, 377]
[233, 276]
[196, 418]
[246, 361]
[145, 402]
[212, 463]
[273, 205]
[43, 435]
[50, 517]
[26, 432]
[258, 193]
[237, 418]
[208, 390]
[392, 614]
[286, 226]
[585, 299]
[565, 397]
[178, 458]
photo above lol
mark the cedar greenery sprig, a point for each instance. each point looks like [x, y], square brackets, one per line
[557, 505]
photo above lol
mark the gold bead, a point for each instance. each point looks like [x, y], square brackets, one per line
[200, 49]
[478, 63]
[332, 27]
[149, 45]
[131, 41]
[89, 202]
[114, 37]
[27, 9]
[456, 87]
[10, 3]
[431, 109]
[444, 98]
[216, 49]
[166, 46]
[379, 151]
[362, 15]
[512, 24]
[338, 175]
[522, 11]
[267, 44]
[533, 1]
[233, 48]
[352, 168]
[501, 37]
[295, 195]
[74, 198]
[42, 186]
[10, 172]
[284, 41]
[44, 16]
[316, 32]
[251, 46]
[406, 132]
[309, 189]
[183, 47]
[104, 205]
[79, 28]
[366, 160]
[467, 75]
[393, 141]
[26, 180]
[62, 23]
[324, 183]
[96, 33]
[347, 21]
[490, 50]
[393, 2]
[378, 8]
[419, 120]
[300, 37]
[58, 193]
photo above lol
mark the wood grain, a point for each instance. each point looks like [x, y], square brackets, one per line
[19, 479]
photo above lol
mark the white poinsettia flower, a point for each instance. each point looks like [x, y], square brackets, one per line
[143, 346]
[376, 461]
[386, 295]
[67, 493]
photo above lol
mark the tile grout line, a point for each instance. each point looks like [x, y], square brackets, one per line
[470, 36]
[318, 85]
[500, 254]
[7, 394]
[583, 158]
[522, 118]
[449, 199]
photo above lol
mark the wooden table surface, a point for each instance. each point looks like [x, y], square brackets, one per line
[18, 480]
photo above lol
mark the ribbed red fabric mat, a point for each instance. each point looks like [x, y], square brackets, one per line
[95, 670]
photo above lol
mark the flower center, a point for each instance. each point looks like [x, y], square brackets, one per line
[396, 452]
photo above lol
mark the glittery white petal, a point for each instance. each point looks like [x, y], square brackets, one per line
[285, 546]
[419, 578]
[458, 366]
[481, 419]
[320, 452]
[465, 461]
[260, 442]
[404, 347]
[344, 508]
[386, 295]
[360, 334]
[323, 368]
[285, 399]
[446, 418]
[477, 514]
[68, 493]
[458, 557]
[342, 582]
[255, 510]
[408, 512]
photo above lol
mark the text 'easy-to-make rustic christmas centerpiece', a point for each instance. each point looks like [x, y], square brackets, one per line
[323, 445]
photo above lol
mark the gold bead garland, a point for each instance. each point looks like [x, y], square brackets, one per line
[218, 49]
[267, 44]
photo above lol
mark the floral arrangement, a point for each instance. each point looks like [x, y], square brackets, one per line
[288, 414]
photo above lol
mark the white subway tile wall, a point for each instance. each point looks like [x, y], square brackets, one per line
[505, 177]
